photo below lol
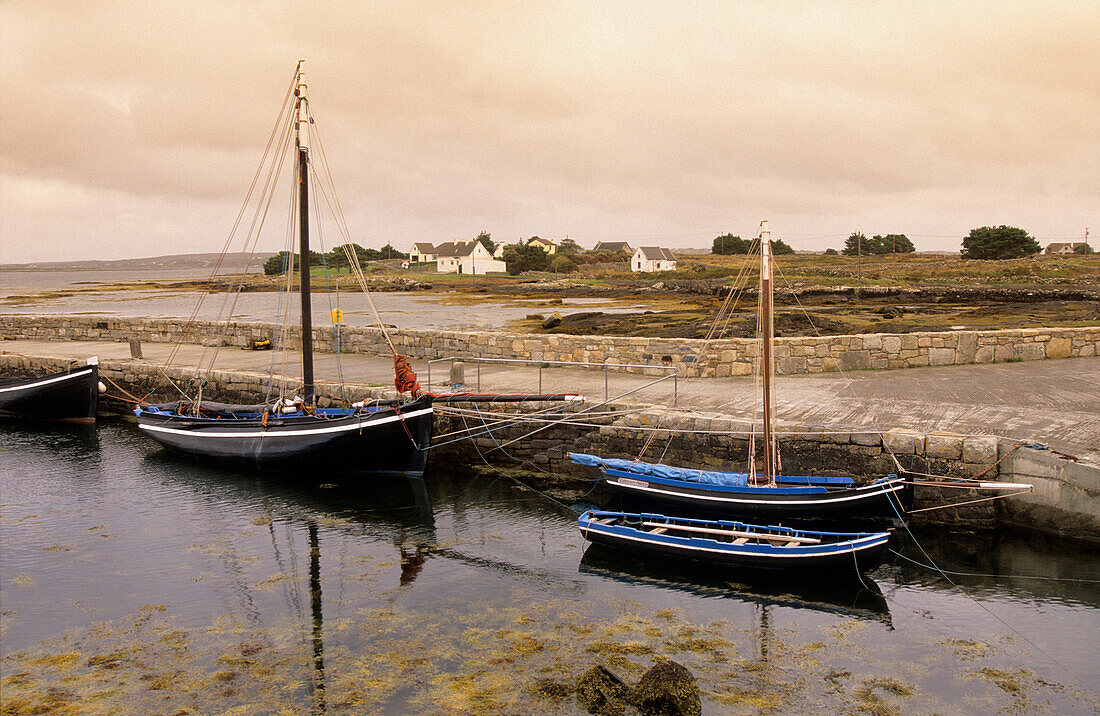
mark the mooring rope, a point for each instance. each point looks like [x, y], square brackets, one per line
[965, 593]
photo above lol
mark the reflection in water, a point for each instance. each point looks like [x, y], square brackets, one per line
[418, 587]
[318, 618]
[854, 597]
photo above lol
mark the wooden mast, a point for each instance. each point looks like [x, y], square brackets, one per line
[302, 141]
[767, 330]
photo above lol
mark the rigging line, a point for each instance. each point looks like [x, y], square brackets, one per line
[971, 598]
[512, 419]
[1076, 580]
[353, 257]
[253, 235]
[515, 479]
[969, 502]
[244, 204]
[329, 280]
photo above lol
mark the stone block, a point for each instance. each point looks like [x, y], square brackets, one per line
[1058, 348]
[941, 356]
[968, 347]
[855, 360]
[980, 450]
[943, 446]
[902, 442]
[871, 439]
[891, 344]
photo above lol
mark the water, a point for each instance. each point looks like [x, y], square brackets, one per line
[134, 582]
[436, 311]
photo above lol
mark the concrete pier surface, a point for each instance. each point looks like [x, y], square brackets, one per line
[1056, 402]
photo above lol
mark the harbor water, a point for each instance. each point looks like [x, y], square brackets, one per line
[132, 581]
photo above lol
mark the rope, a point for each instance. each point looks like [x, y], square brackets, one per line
[968, 502]
[967, 594]
[1078, 580]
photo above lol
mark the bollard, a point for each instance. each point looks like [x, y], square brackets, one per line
[135, 348]
[458, 373]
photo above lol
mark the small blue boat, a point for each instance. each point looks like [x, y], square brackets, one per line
[734, 544]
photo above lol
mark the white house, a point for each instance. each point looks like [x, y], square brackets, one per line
[468, 257]
[652, 258]
[421, 252]
[1063, 249]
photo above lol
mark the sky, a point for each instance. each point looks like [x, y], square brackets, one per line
[133, 129]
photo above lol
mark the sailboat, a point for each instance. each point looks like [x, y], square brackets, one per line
[767, 496]
[387, 437]
[69, 395]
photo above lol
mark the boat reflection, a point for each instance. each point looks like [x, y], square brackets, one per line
[858, 597]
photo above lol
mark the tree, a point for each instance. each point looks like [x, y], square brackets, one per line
[389, 252]
[730, 244]
[895, 244]
[277, 264]
[525, 257]
[855, 245]
[487, 240]
[831, 252]
[569, 247]
[1083, 249]
[779, 248]
[562, 264]
[1001, 242]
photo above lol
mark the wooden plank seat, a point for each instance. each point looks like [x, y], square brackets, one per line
[775, 539]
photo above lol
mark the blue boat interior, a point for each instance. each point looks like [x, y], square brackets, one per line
[713, 479]
[222, 415]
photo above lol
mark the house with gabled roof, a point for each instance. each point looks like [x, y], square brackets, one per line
[614, 247]
[467, 257]
[652, 258]
[1060, 249]
[546, 245]
[422, 252]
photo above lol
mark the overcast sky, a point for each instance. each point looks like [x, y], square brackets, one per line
[133, 128]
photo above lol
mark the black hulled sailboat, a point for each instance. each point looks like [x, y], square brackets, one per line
[387, 437]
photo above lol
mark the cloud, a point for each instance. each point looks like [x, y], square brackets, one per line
[594, 119]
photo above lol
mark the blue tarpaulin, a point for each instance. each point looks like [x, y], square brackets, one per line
[706, 477]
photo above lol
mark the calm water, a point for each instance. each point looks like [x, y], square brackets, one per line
[18, 289]
[134, 582]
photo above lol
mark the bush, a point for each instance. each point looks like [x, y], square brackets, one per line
[1001, 242]
[730, 244]
[525, 257]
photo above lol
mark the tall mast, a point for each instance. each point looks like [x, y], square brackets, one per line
[301, 131]
[767, 330]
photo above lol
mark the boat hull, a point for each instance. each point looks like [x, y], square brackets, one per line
[853, 552]
[880, 501]
[70, 396]
[388, 440]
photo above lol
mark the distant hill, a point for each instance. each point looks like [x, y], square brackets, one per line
[230, 263]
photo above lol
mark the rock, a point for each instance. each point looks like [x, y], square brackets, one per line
[552, 321]
[535, 316]
[581, 316]
[890, 312]
[658, 286]
[668, 688]
[601, 692]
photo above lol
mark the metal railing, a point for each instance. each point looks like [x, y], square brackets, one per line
[671, 372]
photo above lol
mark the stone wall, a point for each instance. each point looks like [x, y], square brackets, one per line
[691, 356]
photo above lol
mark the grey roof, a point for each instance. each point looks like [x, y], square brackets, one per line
[424, 247]
[656, 253]
[455, 249]
[612, 246]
